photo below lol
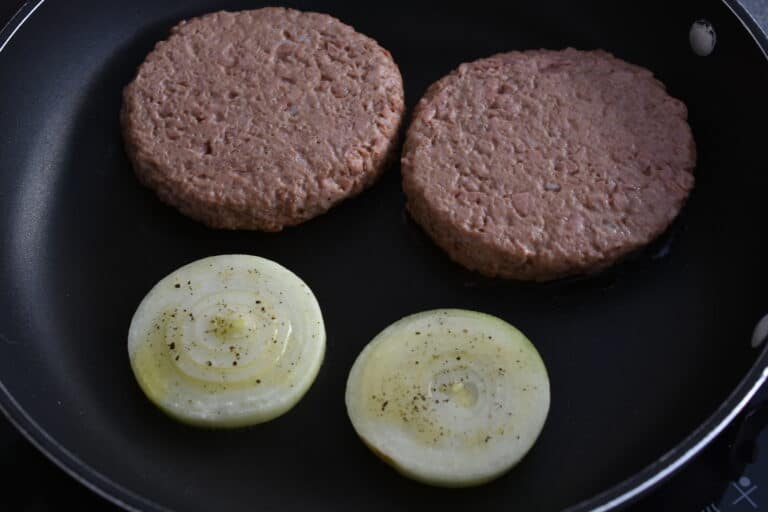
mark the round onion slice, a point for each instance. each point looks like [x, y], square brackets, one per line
[449, 397]
[227, 341]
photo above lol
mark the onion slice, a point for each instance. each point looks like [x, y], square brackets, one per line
[449, 397]
[227, 341]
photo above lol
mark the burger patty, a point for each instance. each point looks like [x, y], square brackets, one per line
[262, 119]
[541, 164]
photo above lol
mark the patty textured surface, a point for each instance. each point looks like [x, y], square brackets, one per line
[541, 164]
[262, 119]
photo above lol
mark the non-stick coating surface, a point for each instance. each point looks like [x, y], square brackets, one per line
[638, 357]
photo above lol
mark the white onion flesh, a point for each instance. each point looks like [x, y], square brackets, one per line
[449, 397]
[227, 341]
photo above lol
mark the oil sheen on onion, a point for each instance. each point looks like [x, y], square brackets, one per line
[449, 397]
[227, 341]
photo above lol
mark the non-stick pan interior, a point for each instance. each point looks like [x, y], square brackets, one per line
[638, 357]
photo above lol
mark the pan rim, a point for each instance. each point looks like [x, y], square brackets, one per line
[675, 459]
[618, 495]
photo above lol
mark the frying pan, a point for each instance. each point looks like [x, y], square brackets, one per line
[648, 360]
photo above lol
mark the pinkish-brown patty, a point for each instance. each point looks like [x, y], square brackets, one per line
[262, 119]
[540, 164]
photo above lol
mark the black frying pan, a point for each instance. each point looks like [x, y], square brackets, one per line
[648, 361]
